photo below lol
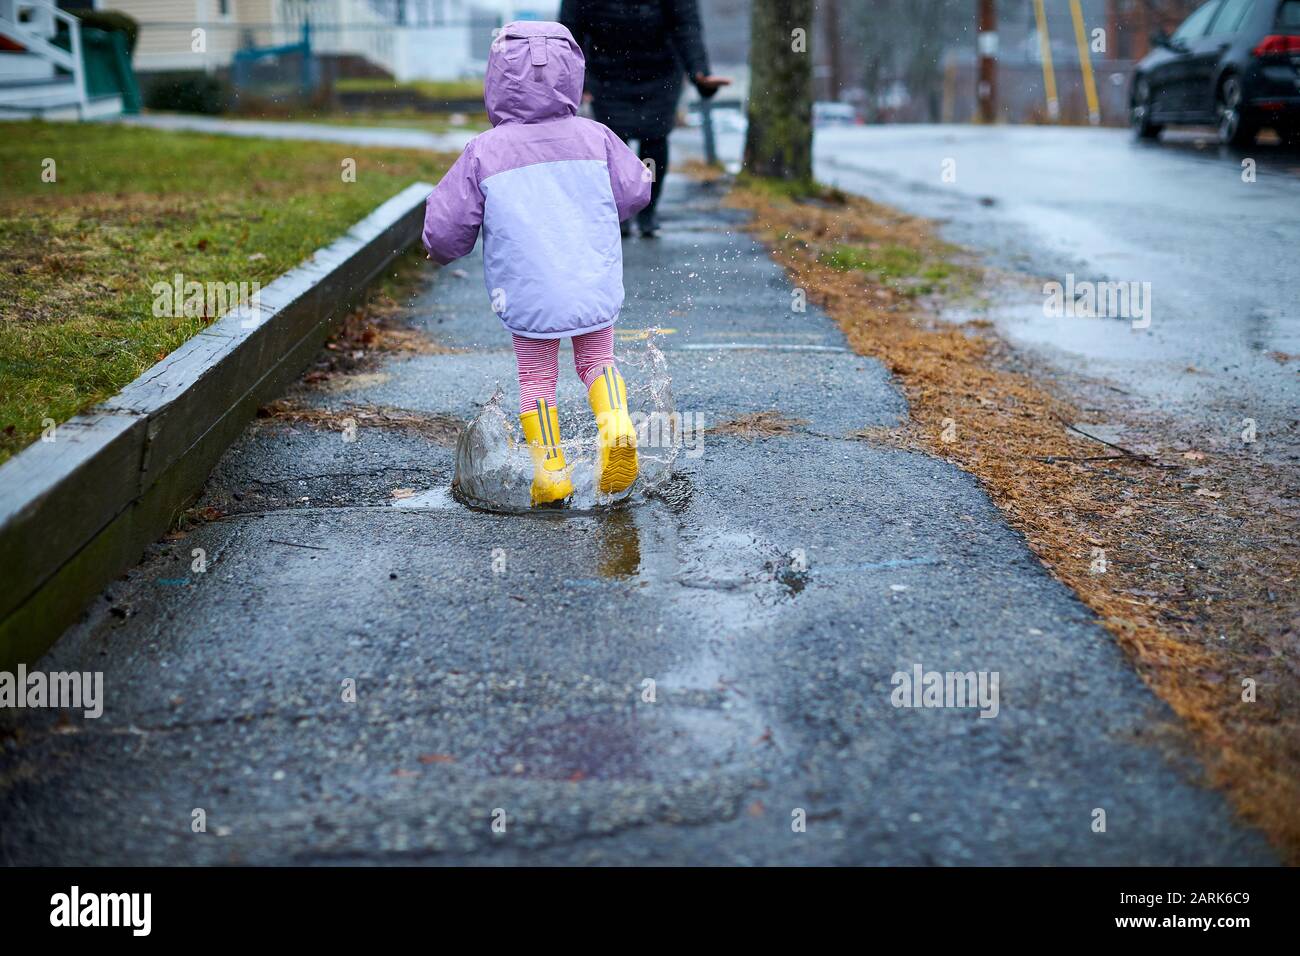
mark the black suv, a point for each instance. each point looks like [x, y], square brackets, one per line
[1233, 63]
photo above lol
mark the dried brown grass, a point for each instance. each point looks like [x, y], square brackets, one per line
[757, 425]
[1201, 551]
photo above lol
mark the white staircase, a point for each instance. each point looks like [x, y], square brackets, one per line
[47, 81]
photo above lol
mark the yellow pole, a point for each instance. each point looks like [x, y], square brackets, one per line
[1085, 63]
[1049, 75]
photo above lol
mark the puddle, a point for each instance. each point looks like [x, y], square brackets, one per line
[435, 499]
[642, 743]
[728, 561]
[604, 746]
[705, 671]
[736, 561]
[494, 471]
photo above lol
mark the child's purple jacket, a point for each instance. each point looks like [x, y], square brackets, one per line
[548, 187]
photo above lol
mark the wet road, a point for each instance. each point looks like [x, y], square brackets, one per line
[501, 663]
[1222, 255]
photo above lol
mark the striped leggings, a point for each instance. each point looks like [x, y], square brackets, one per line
[539, 364]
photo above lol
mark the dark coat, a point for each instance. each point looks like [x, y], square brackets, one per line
[637, 53]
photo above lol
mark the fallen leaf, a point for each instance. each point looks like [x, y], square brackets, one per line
[1207, 493]
[403, 492]
[1194, 455]
[437, 758]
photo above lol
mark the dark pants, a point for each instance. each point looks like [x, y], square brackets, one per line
[654, 149]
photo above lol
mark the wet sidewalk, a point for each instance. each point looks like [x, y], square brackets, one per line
[395, 137]
[501, 662]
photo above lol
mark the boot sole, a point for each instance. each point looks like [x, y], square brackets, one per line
[552, 501]
[620, 469]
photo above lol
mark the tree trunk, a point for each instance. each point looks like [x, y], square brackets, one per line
[779, 140]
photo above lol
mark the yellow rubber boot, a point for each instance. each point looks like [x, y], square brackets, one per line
[551, 484]
[616, 465]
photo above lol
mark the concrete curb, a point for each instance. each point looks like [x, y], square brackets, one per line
[78, 511]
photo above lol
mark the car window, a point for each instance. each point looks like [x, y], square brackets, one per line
[1288, 15]
[1230, 16]
[1194, 26]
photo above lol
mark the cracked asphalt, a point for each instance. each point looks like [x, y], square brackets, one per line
[520, 694]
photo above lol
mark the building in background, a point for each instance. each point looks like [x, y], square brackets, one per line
[402, 39]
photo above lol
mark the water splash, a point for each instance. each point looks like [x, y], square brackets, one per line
[494, 471]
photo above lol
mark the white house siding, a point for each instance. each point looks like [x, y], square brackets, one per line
[167, 39]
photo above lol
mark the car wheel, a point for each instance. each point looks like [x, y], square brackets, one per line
[1140, 112]
[1235, 128]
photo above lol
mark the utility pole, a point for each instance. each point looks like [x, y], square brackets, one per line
[986, 91]
[834, 69]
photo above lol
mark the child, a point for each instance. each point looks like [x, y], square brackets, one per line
[549, 189]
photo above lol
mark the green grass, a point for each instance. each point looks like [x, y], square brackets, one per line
[432, 89]
[795, 189]
[131, 207]
[907, 270]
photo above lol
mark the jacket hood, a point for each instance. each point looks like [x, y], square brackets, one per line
[534, 73]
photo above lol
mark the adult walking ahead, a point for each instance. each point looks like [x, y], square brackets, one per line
[637, 53]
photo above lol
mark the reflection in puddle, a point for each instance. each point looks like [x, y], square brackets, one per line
[620, 545]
